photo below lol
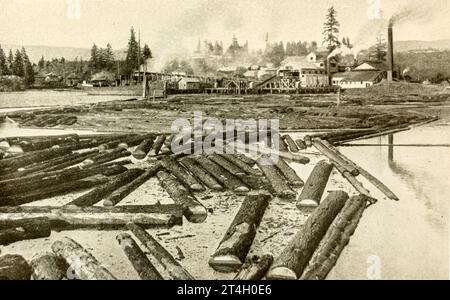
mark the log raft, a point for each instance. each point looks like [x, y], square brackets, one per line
[138, 259]
[295, 257]
[164, 258]
[233, 249]
[82, 264]
[315, 185]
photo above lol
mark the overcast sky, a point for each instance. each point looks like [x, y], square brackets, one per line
[178, 24]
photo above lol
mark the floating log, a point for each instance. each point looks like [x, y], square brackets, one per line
[375, 181]
[301, 144]
[315, 185]
[27, 229]
[14, 267]
[82, 263]
[255, 268]
[201, 174]
[193, 210]
[165, 259]
[276, 180]
[221, 175]
[48, 266]
[227, 165]
[119, 194]
[40, 144]
[32, 157]
[99, 193]
[142, 150]
[233, 249]
[335, 157]
[138, 259]
[236, 160]
[157, 145]
[94, 217]
[291, 176]
[354, 182]
[172, 166]
[336, 238]
[52, 191]
[295, 257]
[291, 144]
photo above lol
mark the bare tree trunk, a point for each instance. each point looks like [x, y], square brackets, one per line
[255, 268]
[276, 180]
[83, 264]
[315, 185]
[166, 260]
[291, 176]
[233, 249]
[173, 167]
[138, 259]
[295, 257]
[27, 229]
[201, 174]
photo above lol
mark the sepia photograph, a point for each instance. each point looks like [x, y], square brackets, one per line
[251, 141]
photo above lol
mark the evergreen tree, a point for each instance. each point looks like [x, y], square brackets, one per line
[109, 57]
[331, 30]
[132, 53]
[4, 70]
[94, 58]
[10, 62]
[18, 66]
[41, 63]
[28, 71]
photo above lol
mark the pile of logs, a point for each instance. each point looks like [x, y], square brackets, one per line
[50, 166]
[47, 120]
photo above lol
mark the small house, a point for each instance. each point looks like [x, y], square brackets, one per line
[358, 79]
[187, 83]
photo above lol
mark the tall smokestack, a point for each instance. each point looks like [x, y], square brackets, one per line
[390, 54]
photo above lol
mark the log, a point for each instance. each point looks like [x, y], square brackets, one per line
[48, 266]
[164, 258]
[282, 146]
[333, 156]
[247, 168]
[255, 268]
[315, 185]
[291, 144]
[201, 174]
[291, 176]
[221, 175]
[138, 259]
[193, 210]
[142, 150]
[119, 194]
[246, 159]
[295, 257]
[32, 157]
[234, 247]
[157, 145]
[336, 238]
[40, 144]
[94, 217]
[14, 267]
[99, 193]
[173, 167]
[82, 264]
[354, 182]
[111, 156]
[73, 161]
[52, 191]
[27, 229]
[276, 180]
[301, 144]
[227, 165]
[375, 181]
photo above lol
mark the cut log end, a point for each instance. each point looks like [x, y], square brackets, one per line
[241, 190]
[196, 187]
[217, 187]
[197, 214]
[281, 273]
[307, 203]
[225, 263]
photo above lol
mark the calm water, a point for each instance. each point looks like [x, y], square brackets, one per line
[407, 239]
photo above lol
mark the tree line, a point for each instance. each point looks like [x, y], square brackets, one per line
[17, 64]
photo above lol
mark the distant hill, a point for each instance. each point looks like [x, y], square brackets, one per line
[405, 46]
[69, 53]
